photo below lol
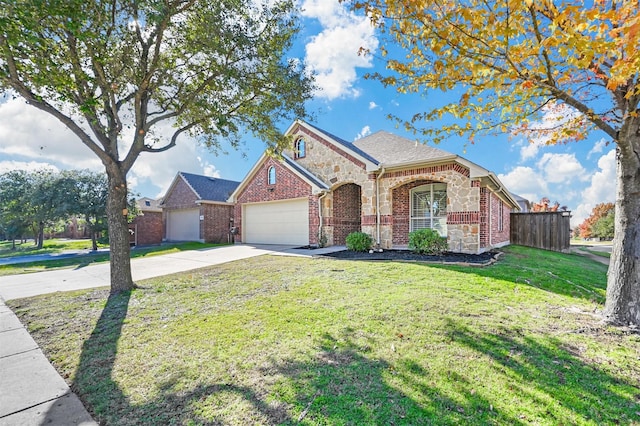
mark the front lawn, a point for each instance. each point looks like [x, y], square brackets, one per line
[284, 340]
[55, 245]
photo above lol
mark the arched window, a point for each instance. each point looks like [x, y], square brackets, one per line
[271, 179]
[429, 207]
[299, 149]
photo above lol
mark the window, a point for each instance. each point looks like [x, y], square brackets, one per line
[271, 179]
[500, 216]
[299, 149]
[429, 208]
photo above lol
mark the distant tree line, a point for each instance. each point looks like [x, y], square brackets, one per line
[32, 201]
[600, 224]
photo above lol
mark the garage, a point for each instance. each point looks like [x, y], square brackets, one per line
[183, 225]
[278, 222]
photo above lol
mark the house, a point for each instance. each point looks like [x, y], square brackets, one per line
[523, 203]
[323, 188]
[195, 208]
[147, 228]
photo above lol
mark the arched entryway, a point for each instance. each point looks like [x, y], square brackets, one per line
[347, 208]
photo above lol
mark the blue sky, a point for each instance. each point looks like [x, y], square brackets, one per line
[578, 175]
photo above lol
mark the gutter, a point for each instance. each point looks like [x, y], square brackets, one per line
[324, 194]
[382, 170]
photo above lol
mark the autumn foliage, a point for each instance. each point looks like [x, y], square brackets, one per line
[586, 228]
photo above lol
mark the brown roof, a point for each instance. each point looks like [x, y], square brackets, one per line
[390, 149]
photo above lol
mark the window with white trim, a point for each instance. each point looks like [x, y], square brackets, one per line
[271, 176]
[429, 208]
[299, 149]
[500, 215]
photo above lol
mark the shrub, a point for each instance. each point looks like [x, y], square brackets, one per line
[427, 241]
[359, 241]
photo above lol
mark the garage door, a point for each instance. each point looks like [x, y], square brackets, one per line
[183, 225]
[280, 222]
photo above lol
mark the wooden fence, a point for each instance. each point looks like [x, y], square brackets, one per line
[545, 230]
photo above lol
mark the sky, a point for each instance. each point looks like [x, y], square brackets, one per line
[577, 175]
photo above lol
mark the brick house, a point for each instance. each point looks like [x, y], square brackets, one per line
[148, 227]
[324, 188]
[195, 208]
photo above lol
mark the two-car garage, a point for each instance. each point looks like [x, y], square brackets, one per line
[276, 222]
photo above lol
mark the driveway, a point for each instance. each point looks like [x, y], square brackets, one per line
[27, 285]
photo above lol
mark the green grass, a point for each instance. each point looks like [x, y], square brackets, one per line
[283, 340]
[100, 257]
[56, 245]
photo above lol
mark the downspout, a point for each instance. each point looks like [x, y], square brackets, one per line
[378, 206]
[324, 194]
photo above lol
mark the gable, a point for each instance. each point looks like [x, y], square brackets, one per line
[256, 188]
[180, 195]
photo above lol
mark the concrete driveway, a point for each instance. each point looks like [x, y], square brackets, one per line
[27, 285]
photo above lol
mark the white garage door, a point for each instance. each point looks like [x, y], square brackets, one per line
[279, 222]
[183, 225]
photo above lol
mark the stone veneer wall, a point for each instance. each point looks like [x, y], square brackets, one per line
[336, 167]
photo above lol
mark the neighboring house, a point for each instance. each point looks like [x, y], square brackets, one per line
[147, 228]
[523, 203]
[196, 209]
[324, 188]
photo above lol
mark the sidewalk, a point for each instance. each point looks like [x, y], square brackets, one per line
[31, 391]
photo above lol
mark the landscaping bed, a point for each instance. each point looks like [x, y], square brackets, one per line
[406, 255]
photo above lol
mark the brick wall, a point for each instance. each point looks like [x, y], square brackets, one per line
[347, 207]
[180, 197]
[149, 228]
[401, 206]
[484, 218]
[500, 226]
[217, 221]
[288, 185]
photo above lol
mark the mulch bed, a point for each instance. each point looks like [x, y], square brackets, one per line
[406, 255]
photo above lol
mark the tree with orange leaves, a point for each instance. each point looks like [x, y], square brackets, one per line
[514, 60]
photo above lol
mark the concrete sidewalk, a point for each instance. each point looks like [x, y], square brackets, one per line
[31, 391]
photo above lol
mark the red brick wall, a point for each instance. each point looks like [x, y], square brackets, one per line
[287, 186]
[181, 196]
[215, 226]
[401, 207]
[484, 218]
[347, 208]
[499, 236]
[149, 228]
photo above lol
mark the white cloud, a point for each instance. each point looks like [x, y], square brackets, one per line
[526, 182]
[333, 54]
[602, 188]
[373, 105]
[598, 147]
[31, 166]
[37, 139]
[366, 130]
[530, 150]
[561, 168]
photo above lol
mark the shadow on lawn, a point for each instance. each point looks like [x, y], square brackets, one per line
[545, 372]
[99, 392]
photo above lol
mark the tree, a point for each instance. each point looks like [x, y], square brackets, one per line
[513, 62]
[14, 188]
[587, 227]
[604, 227]
[115, 71]
[50, 198]
[544, 206]
[90, 195]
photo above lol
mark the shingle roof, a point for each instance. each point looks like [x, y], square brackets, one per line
[210, 188]
[347, 145]
[390, 149]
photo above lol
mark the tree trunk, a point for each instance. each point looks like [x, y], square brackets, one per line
[94, 242]
[40, 235]
[120, 261]
[623, 282]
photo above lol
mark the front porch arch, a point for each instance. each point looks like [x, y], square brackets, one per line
[347, 211]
